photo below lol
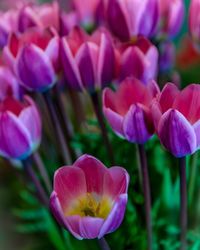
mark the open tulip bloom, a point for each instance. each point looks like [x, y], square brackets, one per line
[177, 119]
[89, 199]
[20, 130]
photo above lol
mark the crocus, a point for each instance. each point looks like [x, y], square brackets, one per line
[20, 130]
[89, 199]
[34, 58]
[128, 109]
[139, 60]
[129, 18]
[194, 21]
[88, 61]
[43, 16]
[176, 117]
[171, 16]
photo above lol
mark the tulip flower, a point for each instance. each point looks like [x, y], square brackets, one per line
[34, 58]
[177, 118]
[42, 16]
[167, 56]
[139, 60]
[89, 199]
[20, 130]
[130, 18]
[128, 110]
[171, 16]
[88, 62]
[194, 21]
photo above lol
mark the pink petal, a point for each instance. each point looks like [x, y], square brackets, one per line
[15, 141]
[69, 183]
[53, 52]
[90, 227]
[177, 134]
[137, 125]
[188, 102]
[168, 96]
[156, 113]
[115, 217]
[94, 172]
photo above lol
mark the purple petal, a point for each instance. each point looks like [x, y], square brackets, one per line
[196, 127]
[115, 217]
[90, 227]
[176, 133]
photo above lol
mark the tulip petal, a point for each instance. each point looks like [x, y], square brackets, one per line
[38, 75]
[176, 133]
[15, 141]
[135, 125]
[53, 51]
[90, 227]
[94, 172]
[196, 127]
[71, 70]
[69, 183]
[156, 113]
[115, 217]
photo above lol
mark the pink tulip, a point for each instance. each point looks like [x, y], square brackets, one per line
[130, 18]
[176, 117]
[20, 130]
[34, 57]
[139, 60]
[194, 21]
[89, 199]
[128, 110]
[171, 16]
[67, 22]
[88, 61]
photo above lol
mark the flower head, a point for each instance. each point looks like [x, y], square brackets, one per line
[88, 199]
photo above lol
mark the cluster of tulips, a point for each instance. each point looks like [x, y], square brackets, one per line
[115, 52]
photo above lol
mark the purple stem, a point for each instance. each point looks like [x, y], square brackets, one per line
[103, 244]
[40, 165]
[57, 128]
[33, 177]
[183, 202]
[99, 114]
[147, 193]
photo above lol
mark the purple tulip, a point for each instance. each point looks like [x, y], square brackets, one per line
[88, 61]
[34, 57]
[167, 56]
[89, 199]
[194, 21]
[128, 110]
[130, 18]
[176, 117]
[20, 130]
[139, 60]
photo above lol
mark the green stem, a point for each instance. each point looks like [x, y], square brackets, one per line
[103, 244]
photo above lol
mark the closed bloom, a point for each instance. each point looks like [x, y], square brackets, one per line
[130, 18]
[128, 110]
[194, 21]
[89, 199]
[34, 57]
[171, 16]
[176, 117]
[88, 61]
[139, 60]
[20, 130]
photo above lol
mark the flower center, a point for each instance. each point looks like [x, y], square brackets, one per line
[91, 205]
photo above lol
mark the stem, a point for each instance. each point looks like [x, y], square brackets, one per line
[147, 193]
[33, 177]
[98, 111]
[103, 244]
[183, 202]
[193, 175]
[39, 163]
[57, 127]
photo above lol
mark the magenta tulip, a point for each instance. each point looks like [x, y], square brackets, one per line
[194, 21]
[176, 117]
[128, 110]
[171, 16]
[139, 60]
[130, 18]
[20, 130]
[34, 57]
[88, 61]
[89, 199]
